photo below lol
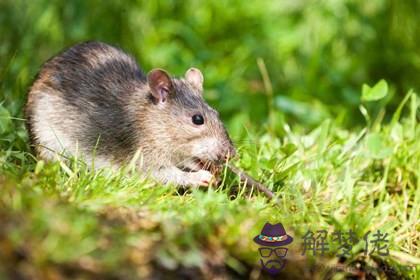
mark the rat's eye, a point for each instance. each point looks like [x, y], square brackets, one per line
[198, 119]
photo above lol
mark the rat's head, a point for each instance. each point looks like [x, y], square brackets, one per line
[190, 130]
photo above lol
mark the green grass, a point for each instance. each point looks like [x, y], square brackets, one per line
[288, 87]
[61, 219]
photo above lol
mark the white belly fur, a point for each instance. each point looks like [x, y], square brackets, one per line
[56, 130]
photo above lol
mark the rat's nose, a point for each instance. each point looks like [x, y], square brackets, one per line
[229, 153]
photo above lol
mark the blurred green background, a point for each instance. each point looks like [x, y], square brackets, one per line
[267, 64]
[317, 53]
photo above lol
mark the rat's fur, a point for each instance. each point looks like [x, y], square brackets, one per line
[93, 101]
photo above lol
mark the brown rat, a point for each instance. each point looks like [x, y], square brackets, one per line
[93, 101]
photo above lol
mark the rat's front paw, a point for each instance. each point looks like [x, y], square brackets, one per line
[201, 178]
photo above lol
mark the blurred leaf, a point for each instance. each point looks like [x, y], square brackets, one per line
[379, 91]
[288, 149]
[246, 161]
[308, 112]
[376, 146]
[5, 120]
[39, 166]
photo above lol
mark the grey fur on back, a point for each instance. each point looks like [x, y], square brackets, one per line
[95, 80]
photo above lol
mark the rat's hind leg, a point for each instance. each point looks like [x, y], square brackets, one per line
[50, 126]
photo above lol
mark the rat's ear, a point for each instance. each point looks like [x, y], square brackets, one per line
[160, 84]
[194, 77]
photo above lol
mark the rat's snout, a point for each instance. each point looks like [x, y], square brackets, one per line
[231, 152]
[228, 152]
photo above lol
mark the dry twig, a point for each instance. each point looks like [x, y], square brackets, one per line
[250, 182]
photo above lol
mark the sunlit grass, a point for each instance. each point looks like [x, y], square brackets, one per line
[62, 217]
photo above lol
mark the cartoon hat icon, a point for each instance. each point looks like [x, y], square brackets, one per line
[273, 235]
